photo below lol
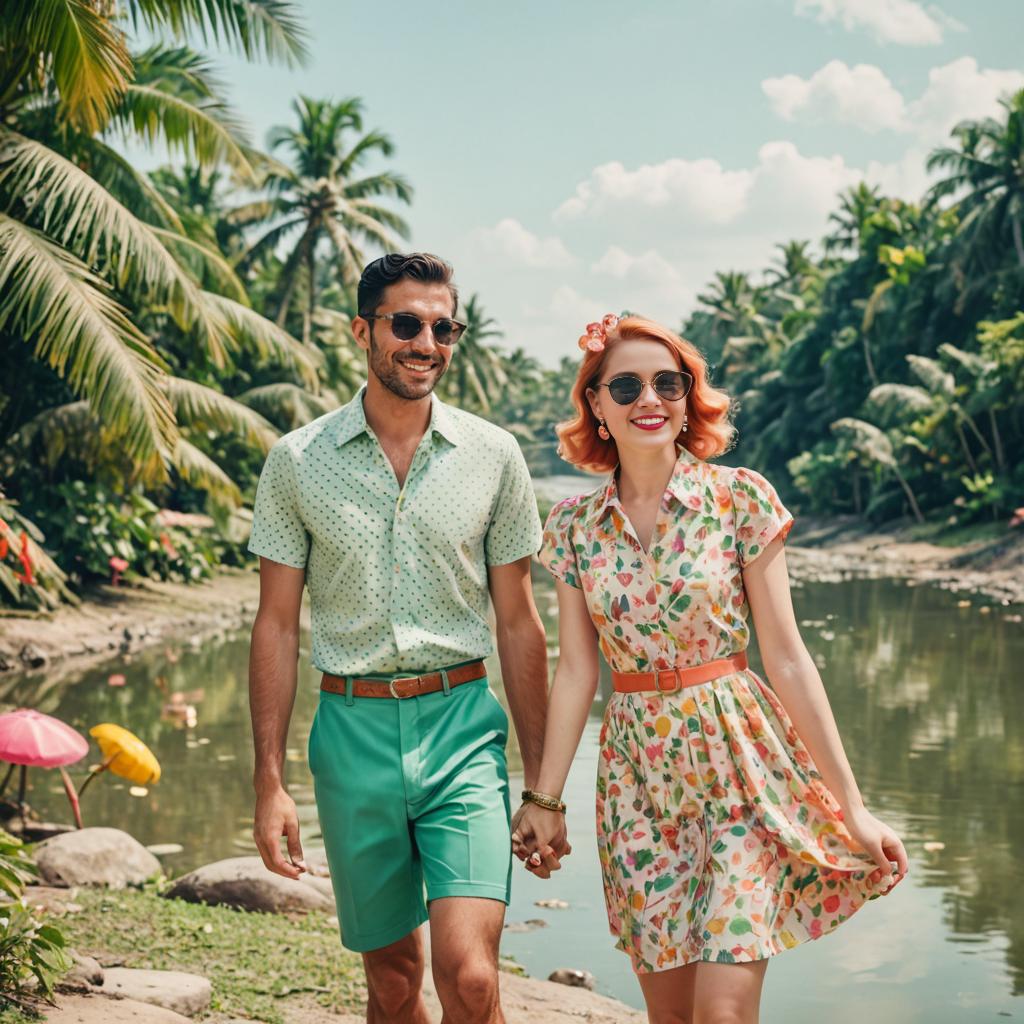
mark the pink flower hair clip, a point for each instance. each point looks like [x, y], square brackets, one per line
[597, 333]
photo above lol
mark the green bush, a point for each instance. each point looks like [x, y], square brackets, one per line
[87, 525]
[32, 953]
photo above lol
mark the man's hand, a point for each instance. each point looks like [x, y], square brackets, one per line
[275, 817]
[539, 839]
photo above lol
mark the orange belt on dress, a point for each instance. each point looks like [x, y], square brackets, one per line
[674, 679]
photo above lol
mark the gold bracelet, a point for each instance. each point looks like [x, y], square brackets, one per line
[549, 803]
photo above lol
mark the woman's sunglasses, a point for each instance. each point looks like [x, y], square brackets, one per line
[672, 385]
[406, 326]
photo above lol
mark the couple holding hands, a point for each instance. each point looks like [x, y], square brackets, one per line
[729, 823]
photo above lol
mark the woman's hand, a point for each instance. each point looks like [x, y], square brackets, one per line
[880, 841]
[539, 839]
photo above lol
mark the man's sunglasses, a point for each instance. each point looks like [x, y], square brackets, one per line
[672, 385]
[406, 326]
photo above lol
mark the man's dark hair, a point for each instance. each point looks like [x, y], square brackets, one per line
[420, 266]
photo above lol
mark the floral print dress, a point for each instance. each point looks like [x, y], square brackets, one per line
[717, 838]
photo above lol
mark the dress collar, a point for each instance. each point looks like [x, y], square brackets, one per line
[686, 479]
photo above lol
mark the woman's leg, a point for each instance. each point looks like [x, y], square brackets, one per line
[728, 993]
[669, 994]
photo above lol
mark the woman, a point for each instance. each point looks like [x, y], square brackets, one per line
[730, 826]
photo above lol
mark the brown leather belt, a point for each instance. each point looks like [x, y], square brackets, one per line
[404, 686]
[674, 679]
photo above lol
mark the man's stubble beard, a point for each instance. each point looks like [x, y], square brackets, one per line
[389, 374]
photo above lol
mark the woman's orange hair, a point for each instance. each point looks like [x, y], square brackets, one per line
[709, 431]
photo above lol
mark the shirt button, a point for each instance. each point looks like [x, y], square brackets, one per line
[398, 568]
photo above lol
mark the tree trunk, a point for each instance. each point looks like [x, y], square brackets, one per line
[867, 359]
[997, 440]
[967, 451]
[910, 494]
[307, 322]
[1018, 242]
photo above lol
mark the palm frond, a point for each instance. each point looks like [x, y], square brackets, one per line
[84, 48]
[50, 297]
[255, 27]
[274, 343]
[195, 467]
[69, 205]
[198, 406]
[200, 258]
[286, 403]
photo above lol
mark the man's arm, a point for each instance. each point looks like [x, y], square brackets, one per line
[273, 675]
[523, 655]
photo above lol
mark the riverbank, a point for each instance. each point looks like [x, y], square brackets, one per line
[984, 561]
[114, 621]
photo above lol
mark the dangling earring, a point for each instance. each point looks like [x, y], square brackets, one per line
[602, 432]
[684, 422]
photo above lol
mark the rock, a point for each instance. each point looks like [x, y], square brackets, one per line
[95, 856]
[188, 994]
[86, 971]
[244, 883]
[573, 977]
[8, 661]
[98, 1009]
[518, 927]
[552, 904]
[31, 656]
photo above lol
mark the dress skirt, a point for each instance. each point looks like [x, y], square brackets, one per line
[717, 838]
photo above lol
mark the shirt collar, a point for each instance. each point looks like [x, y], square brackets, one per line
[686, 479]
[352, 420]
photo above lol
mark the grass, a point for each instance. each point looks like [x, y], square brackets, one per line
[257, 963]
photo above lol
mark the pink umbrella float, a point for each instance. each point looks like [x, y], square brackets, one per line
[33, 740]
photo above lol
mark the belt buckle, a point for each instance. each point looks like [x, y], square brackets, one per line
[401, 679]
[675, 689]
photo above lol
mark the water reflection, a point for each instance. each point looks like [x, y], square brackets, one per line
[930, 701]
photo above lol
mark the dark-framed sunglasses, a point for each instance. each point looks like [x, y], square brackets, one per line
[626, 388]
[407, 326]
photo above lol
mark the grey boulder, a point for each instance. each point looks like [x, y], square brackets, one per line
[95, 856]
[187, 994]
[246, 884]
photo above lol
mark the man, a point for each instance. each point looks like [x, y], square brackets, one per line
[402, 515]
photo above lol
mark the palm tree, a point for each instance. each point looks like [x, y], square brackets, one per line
[986, 169]
[857, 205]
[88, 246]
[323, 201]
[477, 374]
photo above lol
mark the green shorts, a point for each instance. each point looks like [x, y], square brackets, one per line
[410, 793]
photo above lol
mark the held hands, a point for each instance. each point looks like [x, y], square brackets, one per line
[276, 817]
[881, 842]
[539, 839]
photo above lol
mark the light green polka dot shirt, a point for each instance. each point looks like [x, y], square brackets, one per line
[397, 578]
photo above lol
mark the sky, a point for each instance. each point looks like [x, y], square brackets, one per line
[577, 157]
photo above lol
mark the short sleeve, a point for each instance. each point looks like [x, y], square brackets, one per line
[760, 516]
[515, 531]
[557, 553]
[278, 531]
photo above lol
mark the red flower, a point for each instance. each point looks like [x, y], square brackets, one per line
[118, 565]
[831, 904]
[25, 558]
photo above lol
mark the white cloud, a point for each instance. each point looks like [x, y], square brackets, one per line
[861, 95]
[650, 267]
[960, 90]
[905, 22]
[509, 239]
[703, 189]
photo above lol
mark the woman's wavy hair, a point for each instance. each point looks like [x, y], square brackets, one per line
[709, 432]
